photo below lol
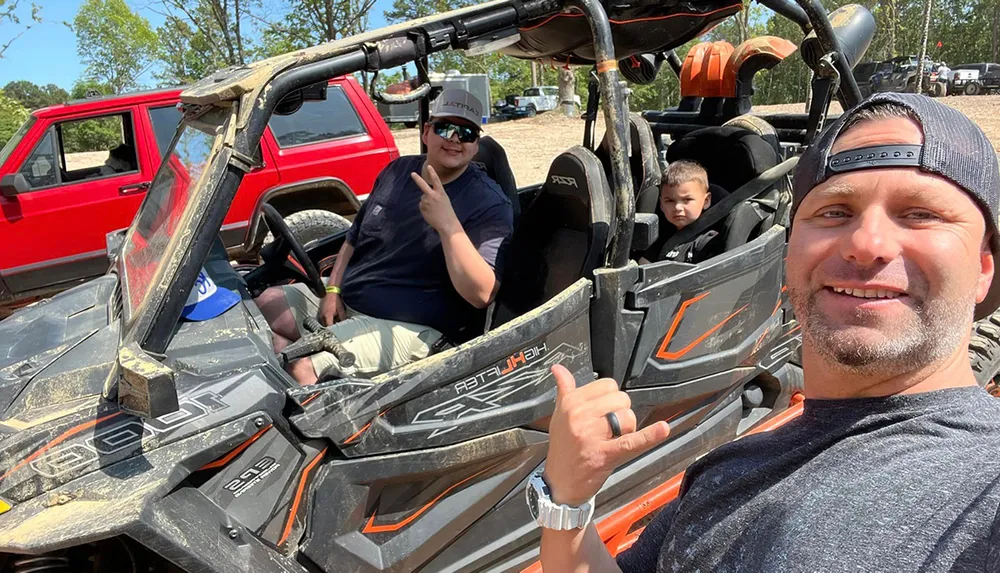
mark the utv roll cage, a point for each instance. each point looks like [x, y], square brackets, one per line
[258, 89]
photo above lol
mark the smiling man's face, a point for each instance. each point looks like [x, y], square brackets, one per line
[885, 266]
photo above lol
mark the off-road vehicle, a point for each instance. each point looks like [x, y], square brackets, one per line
[132, 440]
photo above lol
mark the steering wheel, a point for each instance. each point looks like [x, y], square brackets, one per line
[285, 244]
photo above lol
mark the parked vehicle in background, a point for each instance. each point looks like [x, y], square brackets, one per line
[900, 75]
[975, 79]
[541, 98]
[409, 113]
[863, 73]
[75, 172]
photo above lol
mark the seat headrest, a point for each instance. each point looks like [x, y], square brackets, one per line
[731, 155]
[643, 158]
[492, 159]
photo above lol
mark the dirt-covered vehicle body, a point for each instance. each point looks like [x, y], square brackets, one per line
[132, 440]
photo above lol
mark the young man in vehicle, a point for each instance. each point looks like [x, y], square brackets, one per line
[684, 196]
[422, 259]
[894, 464]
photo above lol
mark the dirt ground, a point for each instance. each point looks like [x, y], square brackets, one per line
[532, 144]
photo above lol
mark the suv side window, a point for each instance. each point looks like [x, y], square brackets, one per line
[39, 169]
[165, 120]
[83, 149]
[316, 121]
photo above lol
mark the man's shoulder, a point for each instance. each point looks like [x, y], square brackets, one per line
[485, 184]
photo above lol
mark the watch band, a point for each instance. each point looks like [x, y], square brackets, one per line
[333, 288]
[555, 516]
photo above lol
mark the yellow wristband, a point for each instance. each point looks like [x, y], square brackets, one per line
[333, 288]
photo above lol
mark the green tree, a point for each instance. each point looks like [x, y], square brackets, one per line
[311, 22]
[14, 23]
[33, 96]
[115, 43]
[12, 115]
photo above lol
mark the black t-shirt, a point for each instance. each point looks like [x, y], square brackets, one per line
[703, 247]
[897, 484]
[398, 269]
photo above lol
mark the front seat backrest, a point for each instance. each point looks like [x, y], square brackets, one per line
[643, 160]
[492, 158]
[564, 234]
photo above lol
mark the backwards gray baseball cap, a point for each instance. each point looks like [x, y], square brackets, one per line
[458, 103]
[954, 148]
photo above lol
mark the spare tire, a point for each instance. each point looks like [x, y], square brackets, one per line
[311, 224]
[973, 88]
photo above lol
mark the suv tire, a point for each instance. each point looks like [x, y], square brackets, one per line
[984, 351]
[311, 224]
[973, 88]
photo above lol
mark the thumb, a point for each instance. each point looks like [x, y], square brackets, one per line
[636, 443]
[565, 383]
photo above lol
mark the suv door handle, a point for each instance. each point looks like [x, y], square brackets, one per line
[136, 188]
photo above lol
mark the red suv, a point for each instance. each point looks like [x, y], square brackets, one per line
[75, 172]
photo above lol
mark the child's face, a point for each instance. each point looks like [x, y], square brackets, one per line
[683, 204]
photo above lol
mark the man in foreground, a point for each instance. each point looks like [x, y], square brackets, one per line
[894, 464]
[424, 253]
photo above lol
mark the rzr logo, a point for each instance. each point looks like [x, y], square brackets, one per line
[561, 180]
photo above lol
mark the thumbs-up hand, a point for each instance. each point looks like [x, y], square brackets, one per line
[435, 205]
[582, 449]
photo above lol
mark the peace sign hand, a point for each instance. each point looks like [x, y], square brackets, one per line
[582, 450]
[435, 205]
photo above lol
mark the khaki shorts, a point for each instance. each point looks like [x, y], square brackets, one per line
[378, 344]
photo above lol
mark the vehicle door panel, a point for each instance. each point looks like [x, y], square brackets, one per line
[708, 327]
[67, 221]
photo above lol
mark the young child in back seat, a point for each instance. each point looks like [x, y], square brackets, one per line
[684, 196]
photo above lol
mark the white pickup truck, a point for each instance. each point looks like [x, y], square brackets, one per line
[541, 98]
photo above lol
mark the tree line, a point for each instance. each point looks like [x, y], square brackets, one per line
[119, 47]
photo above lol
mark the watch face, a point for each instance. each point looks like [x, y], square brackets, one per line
[532, 501]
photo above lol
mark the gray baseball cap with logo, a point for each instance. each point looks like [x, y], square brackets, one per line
[458, 103]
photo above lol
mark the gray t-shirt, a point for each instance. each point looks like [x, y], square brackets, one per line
[896, 484]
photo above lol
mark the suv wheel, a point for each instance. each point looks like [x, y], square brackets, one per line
[312, 224]
[984, 351]
[972, 88]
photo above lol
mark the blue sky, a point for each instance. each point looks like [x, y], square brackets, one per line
[46, 54]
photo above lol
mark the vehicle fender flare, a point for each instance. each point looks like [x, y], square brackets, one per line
[336, 192]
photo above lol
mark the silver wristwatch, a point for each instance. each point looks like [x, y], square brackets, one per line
[551, 515]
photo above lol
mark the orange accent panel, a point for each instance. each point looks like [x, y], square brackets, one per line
[772, 46]
[358, 433]
[58, 440]
[370, 527]
[298, 496]
[309, 399]
[239, 449]
[665, 355]
[702, 71]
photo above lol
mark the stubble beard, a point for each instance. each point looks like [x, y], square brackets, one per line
[867, 346]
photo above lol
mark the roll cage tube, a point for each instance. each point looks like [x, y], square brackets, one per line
[848, 92]
[617, 128]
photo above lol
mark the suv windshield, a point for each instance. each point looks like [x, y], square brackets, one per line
[154, 230]
[15, 139]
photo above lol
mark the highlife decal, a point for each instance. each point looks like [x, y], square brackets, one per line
[499, 385]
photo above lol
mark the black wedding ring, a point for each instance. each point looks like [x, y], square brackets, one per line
[616, 428]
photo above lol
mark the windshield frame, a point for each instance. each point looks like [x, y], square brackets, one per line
[189, 245]
[15, 140]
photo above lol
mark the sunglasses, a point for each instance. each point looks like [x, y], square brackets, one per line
[446, 129]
